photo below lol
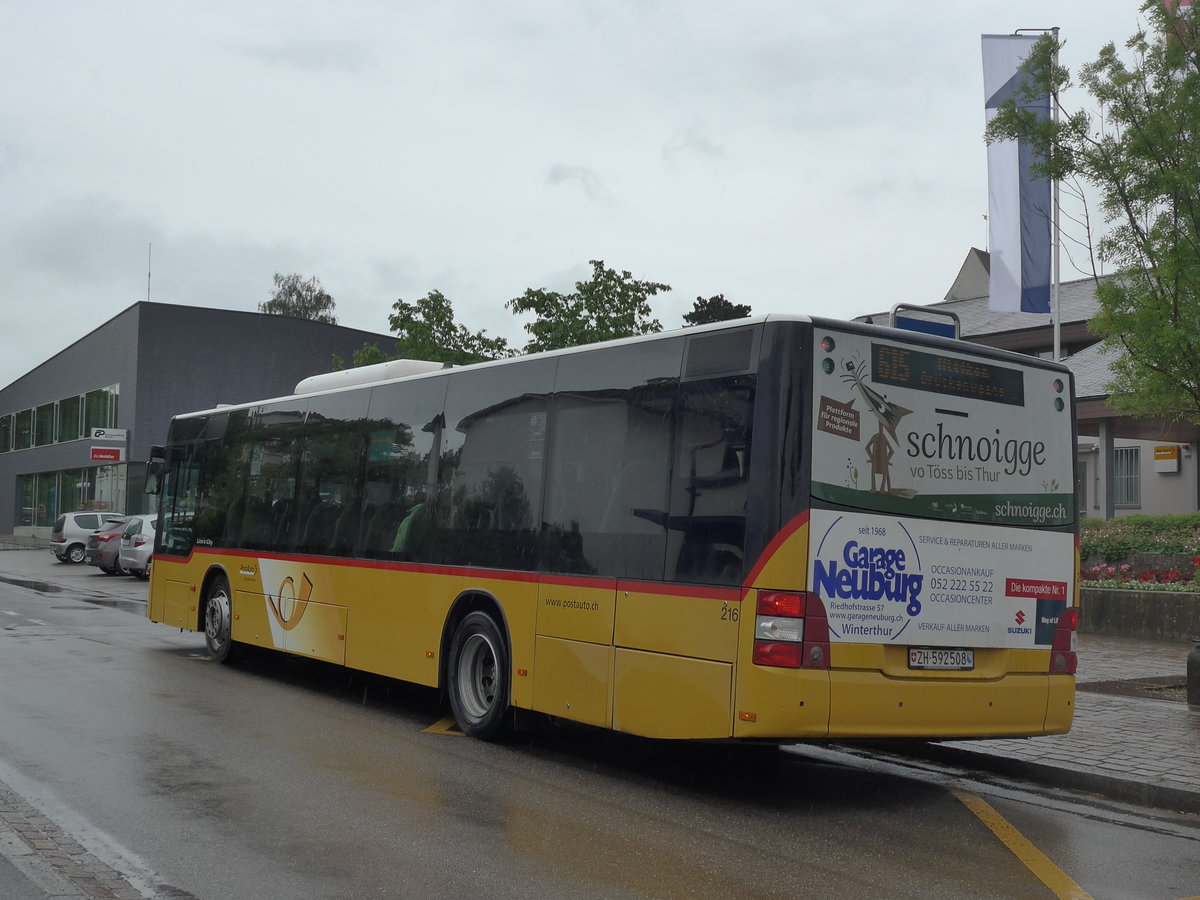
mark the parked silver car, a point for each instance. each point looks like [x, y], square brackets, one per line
[68, 537]
[137, 546]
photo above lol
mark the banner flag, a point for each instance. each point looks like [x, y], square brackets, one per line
[1019, 210]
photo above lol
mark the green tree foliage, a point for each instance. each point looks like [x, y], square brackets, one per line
[294, 296]
[366, 355]
[714, 309]
[611, 305]
[1143, 157]
[427, 330]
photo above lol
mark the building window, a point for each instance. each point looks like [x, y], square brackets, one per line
[100, 409]
[6, 423]
[43, 425]
[68, 418]
[1127, 476]
[23, 430]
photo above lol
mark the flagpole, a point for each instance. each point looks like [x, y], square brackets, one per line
[1055, 308]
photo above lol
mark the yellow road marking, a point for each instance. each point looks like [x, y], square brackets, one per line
[1034, 859]
[444, 726]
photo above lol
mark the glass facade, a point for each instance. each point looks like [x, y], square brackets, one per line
[42, 496]
[69, 419]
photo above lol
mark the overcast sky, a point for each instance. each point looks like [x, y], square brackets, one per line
[800, 157]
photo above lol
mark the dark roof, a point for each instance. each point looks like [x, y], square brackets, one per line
[1077, 300]
[1092, 367]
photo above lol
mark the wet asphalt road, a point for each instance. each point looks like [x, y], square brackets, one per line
[283, 778]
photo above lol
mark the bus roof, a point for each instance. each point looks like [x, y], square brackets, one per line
[407, 369]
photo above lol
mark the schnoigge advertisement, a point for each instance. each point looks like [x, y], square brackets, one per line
[885, 580]
[915, 431]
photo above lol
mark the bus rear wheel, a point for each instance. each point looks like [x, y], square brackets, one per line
[218, 619]
[478, 678]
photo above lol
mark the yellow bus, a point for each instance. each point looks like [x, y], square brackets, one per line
[776, 528]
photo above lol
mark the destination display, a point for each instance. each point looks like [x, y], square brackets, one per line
[941, 374]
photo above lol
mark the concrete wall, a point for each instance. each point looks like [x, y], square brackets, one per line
[1154, 615]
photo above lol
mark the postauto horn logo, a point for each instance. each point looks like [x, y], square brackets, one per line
[869, 576]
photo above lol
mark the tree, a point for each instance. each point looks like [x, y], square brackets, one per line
[427, 330]
[1143, 158]
[366, 355]
[611, 305]
[714, 309]
[293, 296]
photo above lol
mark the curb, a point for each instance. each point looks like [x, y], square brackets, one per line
[1079, 778]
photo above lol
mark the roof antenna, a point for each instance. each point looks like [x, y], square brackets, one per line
[149, 251]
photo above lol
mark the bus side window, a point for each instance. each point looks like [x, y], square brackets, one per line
[709, 485]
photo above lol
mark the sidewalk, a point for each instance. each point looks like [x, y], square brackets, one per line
[1129, 741]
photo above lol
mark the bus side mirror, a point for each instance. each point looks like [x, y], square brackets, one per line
[154, 469]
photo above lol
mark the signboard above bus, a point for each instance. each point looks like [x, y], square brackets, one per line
[929, 432]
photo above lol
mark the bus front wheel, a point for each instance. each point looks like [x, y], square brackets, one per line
[478, 677]
[218, 618]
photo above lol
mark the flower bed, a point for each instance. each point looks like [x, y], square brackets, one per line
[1126, 577]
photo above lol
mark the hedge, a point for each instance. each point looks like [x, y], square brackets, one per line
[1116, 539]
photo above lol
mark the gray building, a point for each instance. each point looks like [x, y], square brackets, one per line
[76, 431]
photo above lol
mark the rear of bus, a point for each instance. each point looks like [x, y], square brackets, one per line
[922, 582]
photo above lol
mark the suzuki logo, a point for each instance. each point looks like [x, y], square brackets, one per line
[1020, 617]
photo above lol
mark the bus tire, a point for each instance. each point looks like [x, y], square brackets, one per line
[218, 620]
[478, 678]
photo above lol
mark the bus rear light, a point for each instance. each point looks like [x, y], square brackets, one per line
[780, 604]
[781, 655]
[777, 628]
[791, 631]
[1063, 660]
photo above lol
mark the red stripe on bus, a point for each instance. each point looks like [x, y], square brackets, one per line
[772, 548]
[732, 595]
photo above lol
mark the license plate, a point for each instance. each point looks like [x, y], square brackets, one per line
[940, 658]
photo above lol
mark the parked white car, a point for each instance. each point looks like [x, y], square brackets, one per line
[68, 538]
[137, 546]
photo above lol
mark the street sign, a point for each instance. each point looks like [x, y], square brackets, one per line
[111, 434]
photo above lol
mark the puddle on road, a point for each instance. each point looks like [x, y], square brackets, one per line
[133, 606]
[44, 587]
[41, 586]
